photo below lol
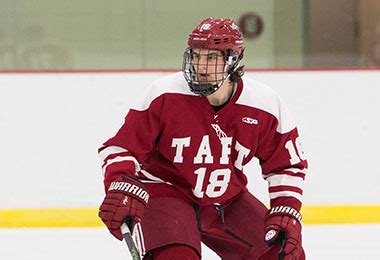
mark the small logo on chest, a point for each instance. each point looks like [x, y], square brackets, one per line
[250, 121]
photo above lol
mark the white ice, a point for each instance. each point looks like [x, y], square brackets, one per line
[321, 242]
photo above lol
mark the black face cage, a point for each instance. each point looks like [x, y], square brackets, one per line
[204, 79]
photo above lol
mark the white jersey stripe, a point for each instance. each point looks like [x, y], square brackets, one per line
[103, 154]
[122, 159]
[152, 178]
[260, 96]
[287, 180]
[296, 170]
[174, 83]
[289, 170]
[273, 195]
[138, 238]
[142, 240]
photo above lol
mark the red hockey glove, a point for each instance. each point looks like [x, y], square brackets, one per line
[283, 227]
[126, 198]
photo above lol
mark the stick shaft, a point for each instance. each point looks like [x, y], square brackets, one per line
[130, 243]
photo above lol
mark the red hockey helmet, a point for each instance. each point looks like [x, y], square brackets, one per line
[217, 34]
[213, 34]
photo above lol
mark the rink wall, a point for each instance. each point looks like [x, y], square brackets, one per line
[51, 125]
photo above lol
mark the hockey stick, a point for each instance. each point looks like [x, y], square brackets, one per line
[129, 240]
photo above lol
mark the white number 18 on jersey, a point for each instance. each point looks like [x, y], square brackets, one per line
[217, 184]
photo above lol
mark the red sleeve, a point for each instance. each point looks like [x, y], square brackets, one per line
[283, 164]
[123, 153]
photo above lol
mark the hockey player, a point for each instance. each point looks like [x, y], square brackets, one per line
[175, 167]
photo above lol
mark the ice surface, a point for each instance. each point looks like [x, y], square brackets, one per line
[321, 242]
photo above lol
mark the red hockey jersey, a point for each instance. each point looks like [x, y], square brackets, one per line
[176, 137]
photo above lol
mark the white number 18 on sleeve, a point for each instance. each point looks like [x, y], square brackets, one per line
[295, 151]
